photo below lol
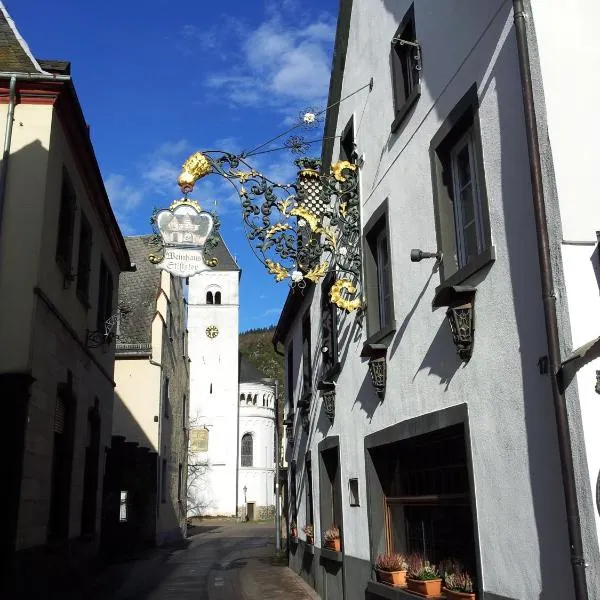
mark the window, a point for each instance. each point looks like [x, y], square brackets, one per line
[330, 489]
[406, 67]
[380, 305]
[309, 492]
[289, 361]
[171, 324]
[306, 356]
[462, 219]
[424, 484]
[184, 416]
[329, 326]
[66, 223]
[247, 450]
[209, 298]
[217, 297]
[105, 296]
[62, 461]
[84, 263]
[347, 143]
[179, 482]
[165, 398]
[163, 481]
[123, 506]
[242, 397]
[353, 491]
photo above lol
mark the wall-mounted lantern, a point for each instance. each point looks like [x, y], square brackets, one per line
[327, 389]
[289, 428]
[305, 418]
[460, 301]
[377, 354]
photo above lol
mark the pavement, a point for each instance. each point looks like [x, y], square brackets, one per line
[218, 561]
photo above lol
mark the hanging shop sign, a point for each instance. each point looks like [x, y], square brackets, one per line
[184, 234]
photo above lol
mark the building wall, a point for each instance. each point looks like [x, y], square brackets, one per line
[567, 137]
[259, 421]
[44, 324]
[518, 499]
[214, 385]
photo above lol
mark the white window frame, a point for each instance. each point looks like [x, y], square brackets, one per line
[461, 250]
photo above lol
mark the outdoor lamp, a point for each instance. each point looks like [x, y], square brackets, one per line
[460, 314]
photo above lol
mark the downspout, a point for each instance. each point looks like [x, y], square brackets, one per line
[7, 140]
[578, 564]
[237, 451]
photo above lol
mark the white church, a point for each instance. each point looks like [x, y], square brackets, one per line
[231, 405]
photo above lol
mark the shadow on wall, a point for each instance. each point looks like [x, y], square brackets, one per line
[135, 496]
[367, 398]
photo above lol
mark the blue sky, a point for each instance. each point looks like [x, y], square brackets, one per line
[161, 79]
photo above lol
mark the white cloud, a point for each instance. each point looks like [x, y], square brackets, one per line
[123, 196]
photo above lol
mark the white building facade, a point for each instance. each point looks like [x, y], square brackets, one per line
[256, 491]
[455, 457]
[213, 329]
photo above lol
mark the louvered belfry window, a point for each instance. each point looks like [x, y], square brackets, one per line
[59, 416]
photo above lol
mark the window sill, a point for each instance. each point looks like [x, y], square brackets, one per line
[332, 555]
[308, 548]
[403, 111]
[383, 336]
[485, 258]
[381, 590]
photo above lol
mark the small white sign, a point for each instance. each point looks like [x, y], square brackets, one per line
[183, 262]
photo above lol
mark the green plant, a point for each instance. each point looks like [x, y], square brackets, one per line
[419, 568]
[293, 525]
[309, 530]
[391, 562]
[333, 533]
[459, 582]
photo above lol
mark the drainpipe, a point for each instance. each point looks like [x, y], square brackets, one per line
[7, 140]
[578, 564]
[237, 452]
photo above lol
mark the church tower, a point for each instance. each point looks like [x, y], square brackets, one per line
[213, 325]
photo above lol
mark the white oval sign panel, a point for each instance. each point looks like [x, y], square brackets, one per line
[183, 262]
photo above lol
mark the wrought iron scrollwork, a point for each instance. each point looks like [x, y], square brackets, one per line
[299, 231]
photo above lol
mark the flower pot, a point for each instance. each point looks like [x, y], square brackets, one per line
[334, 544]
[396, 578]
[310, 540]
[451, 595]
[294, 532]
[431, 588]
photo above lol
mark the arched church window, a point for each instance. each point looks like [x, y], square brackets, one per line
[243, 398]
[217, 297]
[247, 450]
[255, 398]
[209, 297]
[264, 400]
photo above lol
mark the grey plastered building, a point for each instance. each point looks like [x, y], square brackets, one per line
[454, 455]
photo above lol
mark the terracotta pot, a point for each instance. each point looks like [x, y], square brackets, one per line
[396, 578]
[294, 532]
[310, 540]
[450, 595]
[426, 587]
[334, 544]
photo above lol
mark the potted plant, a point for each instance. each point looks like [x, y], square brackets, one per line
[423, 577]
[391, 569]
[458, 585]
[310, 534]
[294, 529]
[332, 538]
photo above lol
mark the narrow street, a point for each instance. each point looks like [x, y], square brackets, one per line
[220, 561]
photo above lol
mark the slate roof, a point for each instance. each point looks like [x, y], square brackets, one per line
[249, 373]
[138, 291]
[15, 55]
[222, 254]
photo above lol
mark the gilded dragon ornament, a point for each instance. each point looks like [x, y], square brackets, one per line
[300, 231]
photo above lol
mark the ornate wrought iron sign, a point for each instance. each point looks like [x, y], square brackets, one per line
[184, 235]
[299, 231]
[328, 396]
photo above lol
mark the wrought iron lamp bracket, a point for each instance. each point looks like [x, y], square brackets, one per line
[377, 354]
[327, 389]
[460, 314]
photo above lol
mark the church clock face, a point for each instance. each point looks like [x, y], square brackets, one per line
[212, 331]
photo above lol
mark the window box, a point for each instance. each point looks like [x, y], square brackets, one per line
[332, 555]
[428, 588]
[393, 578]
[451, 595]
